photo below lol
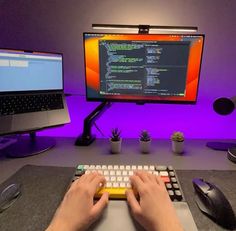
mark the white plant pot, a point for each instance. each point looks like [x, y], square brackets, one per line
[145, 146]
[178, 146]
[115, 146]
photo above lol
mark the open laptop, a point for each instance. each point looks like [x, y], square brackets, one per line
[31, 91]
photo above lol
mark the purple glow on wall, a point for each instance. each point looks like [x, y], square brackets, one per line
[161, 120]
[46, 26]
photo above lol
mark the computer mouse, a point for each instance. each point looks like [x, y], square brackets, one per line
[213, 203]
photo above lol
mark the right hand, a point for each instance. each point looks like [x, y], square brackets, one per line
[154, 211]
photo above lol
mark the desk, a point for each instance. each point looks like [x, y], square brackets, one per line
[196, 157]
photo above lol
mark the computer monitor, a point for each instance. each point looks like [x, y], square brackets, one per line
[31, 97]
[142, 68]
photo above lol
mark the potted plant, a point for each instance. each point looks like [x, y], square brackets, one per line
[177, 142]
[115, 140]
[145, 141]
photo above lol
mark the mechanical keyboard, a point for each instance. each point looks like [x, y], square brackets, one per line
[117, 178]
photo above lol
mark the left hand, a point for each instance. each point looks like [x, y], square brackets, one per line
[77, 210]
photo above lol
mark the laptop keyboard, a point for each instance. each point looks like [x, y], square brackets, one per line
[117, 178]
[15, 104]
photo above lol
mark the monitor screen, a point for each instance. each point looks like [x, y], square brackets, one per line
[142, 67]
[30, 71]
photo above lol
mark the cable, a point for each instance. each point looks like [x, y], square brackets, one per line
[96, 126]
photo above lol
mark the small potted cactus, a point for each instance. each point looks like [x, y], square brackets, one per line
[177, 142]
[145, 141]
[115, 140]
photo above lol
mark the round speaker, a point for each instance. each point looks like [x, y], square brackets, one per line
[223, 106]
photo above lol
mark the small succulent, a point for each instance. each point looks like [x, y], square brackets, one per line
[145, 136]
[177, 136]
[115, 134]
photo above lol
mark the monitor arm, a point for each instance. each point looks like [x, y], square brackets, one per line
[86, 138]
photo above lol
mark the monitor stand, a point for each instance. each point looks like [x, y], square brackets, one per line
[28, 146]
[221, 146]
[86, 138]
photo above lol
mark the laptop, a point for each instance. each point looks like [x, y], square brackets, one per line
[31, 91]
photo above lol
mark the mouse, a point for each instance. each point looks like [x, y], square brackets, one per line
[212, 202]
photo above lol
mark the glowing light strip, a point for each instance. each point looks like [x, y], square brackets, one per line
[150, 27]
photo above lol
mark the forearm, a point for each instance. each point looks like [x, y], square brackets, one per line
[57, 227]
[61, 226]
[168, 226]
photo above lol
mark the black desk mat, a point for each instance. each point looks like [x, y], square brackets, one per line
[224, 180]
[43, 188]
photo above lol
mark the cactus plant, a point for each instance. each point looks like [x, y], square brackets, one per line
[177, 136]
[145, 141]
[145, 136]
[115, 134]
[115, 140]
[177, 142]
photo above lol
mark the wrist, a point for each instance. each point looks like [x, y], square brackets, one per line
[55, 226]
[62, 226]
[49, 228]
[168, 226]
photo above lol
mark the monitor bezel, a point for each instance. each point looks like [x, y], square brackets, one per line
[143, 101]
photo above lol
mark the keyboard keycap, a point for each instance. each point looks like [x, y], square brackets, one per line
[152, 167]
[173, 179]
[112, 173]
[160, 168]
[168, 186]
[178, 195]
[79, 172]
[170, 168]
[164, 173]
[113, 178]
[110, 167]
[105, 173]
[122, 185]
[175, 186]
[172, 173]
[117, 178]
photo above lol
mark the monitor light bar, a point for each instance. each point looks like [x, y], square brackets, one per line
[148, 27]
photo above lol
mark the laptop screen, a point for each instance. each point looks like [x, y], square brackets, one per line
[30, 71]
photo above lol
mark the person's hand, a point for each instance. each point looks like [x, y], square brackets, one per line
[154, 211]
[77, 210]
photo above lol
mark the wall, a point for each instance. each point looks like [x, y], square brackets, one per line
[57, 25]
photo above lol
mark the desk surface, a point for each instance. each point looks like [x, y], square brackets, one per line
[196, 157]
